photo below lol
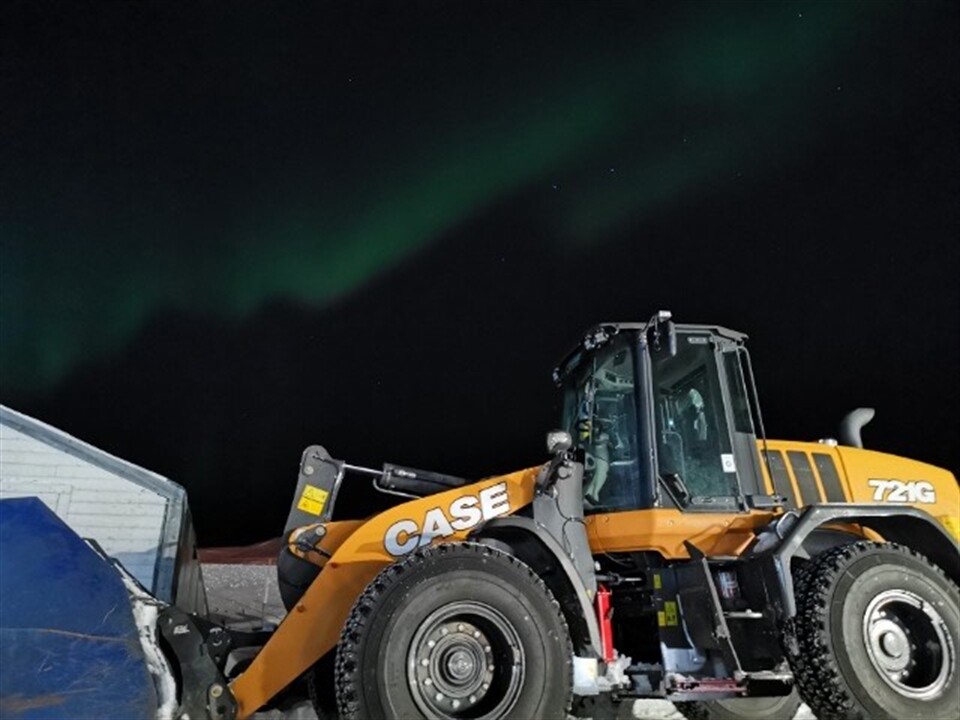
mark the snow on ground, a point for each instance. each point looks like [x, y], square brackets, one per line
[301, 711]
[642, 710]
[663, 710]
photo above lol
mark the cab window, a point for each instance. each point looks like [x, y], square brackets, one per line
[693, 437]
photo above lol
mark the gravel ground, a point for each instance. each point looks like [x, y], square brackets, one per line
[248, 595]
[243, 593]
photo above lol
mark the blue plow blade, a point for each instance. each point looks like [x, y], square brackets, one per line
[69, 647]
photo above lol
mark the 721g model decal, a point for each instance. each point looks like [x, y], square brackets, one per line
[898, 491]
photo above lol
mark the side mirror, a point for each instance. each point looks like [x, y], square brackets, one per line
[657, 326]
[558, 441]
[671, 338]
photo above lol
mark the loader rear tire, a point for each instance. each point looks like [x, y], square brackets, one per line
[455, 630]
[752, 708]
[877, 630]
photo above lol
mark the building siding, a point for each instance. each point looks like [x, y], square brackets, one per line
[123, 517]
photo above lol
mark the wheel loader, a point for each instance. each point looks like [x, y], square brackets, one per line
[667, 549]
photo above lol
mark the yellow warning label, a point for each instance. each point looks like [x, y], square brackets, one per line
[312, 500]
[670, 610]
[657, 583]
[661, 618]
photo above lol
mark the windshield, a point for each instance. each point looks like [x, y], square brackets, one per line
[600, 413]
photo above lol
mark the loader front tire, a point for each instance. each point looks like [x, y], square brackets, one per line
[877, 630]
[455, 630]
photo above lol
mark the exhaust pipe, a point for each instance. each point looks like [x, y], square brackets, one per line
[852, 424]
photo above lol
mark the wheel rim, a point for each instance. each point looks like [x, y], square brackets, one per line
[908, 644]
[465, 660]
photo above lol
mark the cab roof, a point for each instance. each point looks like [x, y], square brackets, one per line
[598, 336]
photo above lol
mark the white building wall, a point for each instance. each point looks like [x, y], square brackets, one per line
[123, 517]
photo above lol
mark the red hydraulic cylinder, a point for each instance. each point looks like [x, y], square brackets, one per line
[604, 614]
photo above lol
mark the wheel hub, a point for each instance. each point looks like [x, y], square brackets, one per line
[908, 644]
[890, 644]
[458, 662]
[460, 665]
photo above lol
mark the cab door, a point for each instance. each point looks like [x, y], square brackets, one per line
[695, 447]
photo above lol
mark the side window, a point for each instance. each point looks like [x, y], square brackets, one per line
[732, 365]
[601, 415]
[693, 438]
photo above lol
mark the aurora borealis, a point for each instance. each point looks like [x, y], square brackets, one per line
[237, 229]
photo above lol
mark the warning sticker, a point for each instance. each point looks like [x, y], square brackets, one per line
[661, 618]
[312, 500]
[670, 610]
[657, 583]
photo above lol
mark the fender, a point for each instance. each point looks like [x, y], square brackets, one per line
[905, 525]
[531, 543]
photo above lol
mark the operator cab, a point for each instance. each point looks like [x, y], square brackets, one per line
[663, 417]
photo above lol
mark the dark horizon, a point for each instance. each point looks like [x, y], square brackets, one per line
[228, 234]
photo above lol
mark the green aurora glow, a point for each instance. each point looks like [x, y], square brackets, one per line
[672, 114]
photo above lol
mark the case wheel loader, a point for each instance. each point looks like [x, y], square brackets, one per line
[668, 549]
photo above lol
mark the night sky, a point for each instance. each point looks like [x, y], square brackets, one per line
[230, 231]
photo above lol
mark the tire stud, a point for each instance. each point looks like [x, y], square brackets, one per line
[456, 704]
[425, 662]
[473, 698]
[460, 627]
[428, 682]
[476, 633]
[431, 643]
[439, 697]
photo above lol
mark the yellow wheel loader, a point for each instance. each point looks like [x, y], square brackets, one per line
[668, 549]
